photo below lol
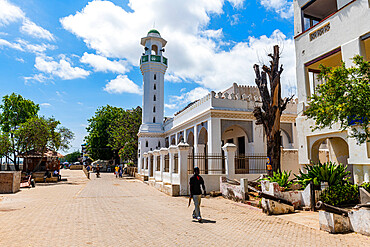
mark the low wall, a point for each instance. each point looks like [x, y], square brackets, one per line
[289, 161]
[76, 167]
[231, 191]
[10, 181]
[299, 198]
[212, 182]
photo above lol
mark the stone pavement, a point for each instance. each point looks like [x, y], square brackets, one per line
[126, 212]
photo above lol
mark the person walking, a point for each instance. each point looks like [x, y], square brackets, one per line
[196, 181]
[116, 171]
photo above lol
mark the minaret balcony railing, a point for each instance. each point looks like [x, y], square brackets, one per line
[153, 58]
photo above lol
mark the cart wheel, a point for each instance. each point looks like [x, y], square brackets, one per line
[33, 184]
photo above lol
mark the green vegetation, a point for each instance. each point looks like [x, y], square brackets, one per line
[344, 97]
[23, 130]
[341, 194]
[327, 172]
[72, 157]
[366, 186]
[282, 178]
[112, 132]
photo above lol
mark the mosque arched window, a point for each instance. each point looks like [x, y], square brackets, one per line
[154, 98]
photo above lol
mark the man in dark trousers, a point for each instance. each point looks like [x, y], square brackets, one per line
[195, 192]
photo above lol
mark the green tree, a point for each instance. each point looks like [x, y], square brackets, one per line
[41, 134]
[73, 157]
[98, 132]
[123, 133]
[4, 145]
[15, 110]
[344, 98]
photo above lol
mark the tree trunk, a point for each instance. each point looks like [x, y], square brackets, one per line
[268, 114]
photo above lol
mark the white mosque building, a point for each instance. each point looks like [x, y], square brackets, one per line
[202, 128]
[328, 32]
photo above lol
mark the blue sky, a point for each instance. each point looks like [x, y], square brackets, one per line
[72, 57]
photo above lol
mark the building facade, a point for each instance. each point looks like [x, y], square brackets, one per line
[328, 32]
[204, 126]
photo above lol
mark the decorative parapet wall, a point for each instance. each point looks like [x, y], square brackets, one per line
[226, 101]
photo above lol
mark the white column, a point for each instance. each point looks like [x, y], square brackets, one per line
[230, 151]
[172, 150]
[258, 140]
[183, 151]
[214, 135]
[156, 164]
[145, 162]
[195, 139]
[150, 165]
[366, 169]
[164, 152]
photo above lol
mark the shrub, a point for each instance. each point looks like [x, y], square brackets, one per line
[341, 194]
[326, 172]
[366, 186]
[282, 178]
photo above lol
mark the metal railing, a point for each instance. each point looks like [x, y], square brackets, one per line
[176, 163]
[250, 164]
[166, 163]
[212, 163]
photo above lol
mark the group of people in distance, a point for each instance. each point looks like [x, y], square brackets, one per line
[119, 171]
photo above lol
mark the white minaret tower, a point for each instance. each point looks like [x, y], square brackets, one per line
[153, 66]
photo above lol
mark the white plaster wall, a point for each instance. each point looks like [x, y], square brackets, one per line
[166, 177]
[345, 25]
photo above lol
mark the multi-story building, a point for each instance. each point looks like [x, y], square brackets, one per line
[328, 32]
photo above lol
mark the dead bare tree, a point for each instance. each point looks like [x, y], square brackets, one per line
[272, 106]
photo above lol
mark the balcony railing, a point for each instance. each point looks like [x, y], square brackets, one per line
[153, 58]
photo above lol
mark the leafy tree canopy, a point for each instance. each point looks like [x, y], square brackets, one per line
[124, 134]
[99, 135]
[343, 97]
[113, 130]
[72, 157]
[42, 134]
[15, 110]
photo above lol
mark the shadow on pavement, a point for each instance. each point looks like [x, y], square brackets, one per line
[205, 221]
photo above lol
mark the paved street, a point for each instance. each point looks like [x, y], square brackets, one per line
[126, 212]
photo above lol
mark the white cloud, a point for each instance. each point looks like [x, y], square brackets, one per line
[5, 43]
[19, 59]
[45, 104]
[236, 3]
[193, 51]
[122, 84]
[9, 13]
[100, 63]
[62, 69]
[171, 106]
[23, 45]
[172, 78]
[283, 7]
[34, 30]
[37, 77]
[185, 98]
[35, 48]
